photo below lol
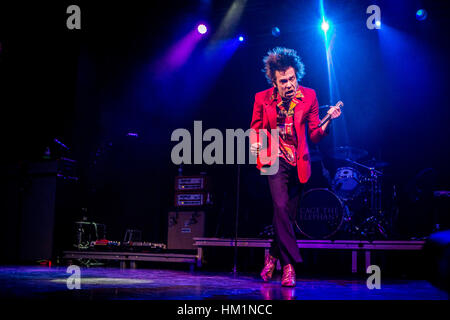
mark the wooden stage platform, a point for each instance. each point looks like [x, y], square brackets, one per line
[125, 257]
[357, 247]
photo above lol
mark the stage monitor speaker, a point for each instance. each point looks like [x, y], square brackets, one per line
[437, 258]
[183, 227]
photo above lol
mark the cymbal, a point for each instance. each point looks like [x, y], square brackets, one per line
[347, 152]
[376, 163]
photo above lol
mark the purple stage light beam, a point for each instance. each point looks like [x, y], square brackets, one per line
[179, 53]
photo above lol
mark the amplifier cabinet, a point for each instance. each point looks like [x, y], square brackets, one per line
[191, 199]
[192, 183]
[183, 227]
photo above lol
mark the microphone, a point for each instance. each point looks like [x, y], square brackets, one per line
[61, 144]
[328, 116]
[325, 120]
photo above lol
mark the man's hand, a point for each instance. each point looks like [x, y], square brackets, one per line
[334, 111]
[255, 148]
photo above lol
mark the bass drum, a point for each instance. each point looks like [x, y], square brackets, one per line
[320, 214]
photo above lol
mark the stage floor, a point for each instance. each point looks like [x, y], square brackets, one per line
[152, 284]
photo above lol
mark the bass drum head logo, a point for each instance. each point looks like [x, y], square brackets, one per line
[320, 214]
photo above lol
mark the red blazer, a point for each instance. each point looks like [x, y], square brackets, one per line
[265, 117]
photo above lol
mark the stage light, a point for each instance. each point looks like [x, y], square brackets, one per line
[421, 14]
[241, 38]
[325, 26]
[275, 31]
[378, 24]
[202, 29]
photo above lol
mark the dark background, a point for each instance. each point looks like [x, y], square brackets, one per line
[90, 87]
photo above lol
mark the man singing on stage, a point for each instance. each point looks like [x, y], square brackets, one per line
[287, 107]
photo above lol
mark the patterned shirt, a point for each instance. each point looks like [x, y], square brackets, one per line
[286, 130]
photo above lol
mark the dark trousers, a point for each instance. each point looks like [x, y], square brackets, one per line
[285, 189]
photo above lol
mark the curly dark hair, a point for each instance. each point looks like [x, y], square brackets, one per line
[280, 59]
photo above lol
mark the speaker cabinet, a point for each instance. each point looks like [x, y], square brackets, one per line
[183, 227]
[48, 207]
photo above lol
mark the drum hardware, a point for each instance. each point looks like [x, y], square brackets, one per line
[373, 163]
[347, 152]
[325, 172]
[352, 206]
[375, 187]
[316, 155]
[372, 226]
[268, 232]
[376, 223]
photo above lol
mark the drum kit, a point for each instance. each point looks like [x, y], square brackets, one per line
[351, 206]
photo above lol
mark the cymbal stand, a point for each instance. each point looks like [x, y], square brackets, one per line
[375, 221]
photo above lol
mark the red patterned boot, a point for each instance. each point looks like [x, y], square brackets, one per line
[269, 266]
[288, 278]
